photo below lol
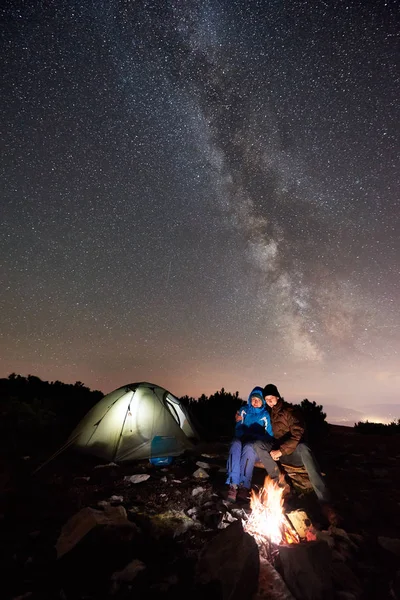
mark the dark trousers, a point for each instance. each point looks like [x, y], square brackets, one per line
[301, 457]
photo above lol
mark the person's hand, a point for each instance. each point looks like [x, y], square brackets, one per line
[238, 417]
[276, 454]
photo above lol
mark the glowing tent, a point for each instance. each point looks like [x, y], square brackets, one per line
[136, 421]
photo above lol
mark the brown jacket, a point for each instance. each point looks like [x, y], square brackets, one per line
[288, 426]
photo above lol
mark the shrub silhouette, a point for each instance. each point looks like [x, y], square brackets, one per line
[36, 414]
[365, 427]
[214, 416]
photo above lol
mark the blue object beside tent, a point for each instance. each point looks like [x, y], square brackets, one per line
[162, 445]
[162, 461]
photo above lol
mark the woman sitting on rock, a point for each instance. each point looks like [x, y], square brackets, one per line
[252, 423]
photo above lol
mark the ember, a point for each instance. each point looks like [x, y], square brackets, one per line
[267, 522]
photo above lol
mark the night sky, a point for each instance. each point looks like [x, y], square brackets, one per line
[202, 194]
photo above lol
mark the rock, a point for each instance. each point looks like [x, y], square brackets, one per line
[108, 547]
[339, 533]
[270, 584]
[103, 503]
[395, 586]
[201, 474]
[344, 579]
[345, 596]
[138, 478]
[324, 536]
[135, 510]
[117, 499]
[127, 574]
[230, 564]
[390, 544]
[213, 519]
[336, 556]
[357, 539]
[239, 513]
[86, 519]
[305, 568]
[164, 586]
[203, 465]
[343, 543]
[226, 520]
[197, 490]
[172, 523]
[193, 512]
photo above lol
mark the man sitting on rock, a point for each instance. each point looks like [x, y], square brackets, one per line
[288, 429]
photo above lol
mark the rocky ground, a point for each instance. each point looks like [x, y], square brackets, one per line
[160, 521]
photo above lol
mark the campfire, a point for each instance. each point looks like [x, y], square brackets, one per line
[268, 523]
[287, 544]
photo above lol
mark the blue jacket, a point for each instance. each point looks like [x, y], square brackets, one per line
[256, 423]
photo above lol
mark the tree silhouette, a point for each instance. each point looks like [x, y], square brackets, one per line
[315, 418]
[214, 416]
[37, 414]
[365, 427]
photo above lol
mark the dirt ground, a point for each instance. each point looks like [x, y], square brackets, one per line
[363, 473]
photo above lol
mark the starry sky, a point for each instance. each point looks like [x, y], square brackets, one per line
[202, 194]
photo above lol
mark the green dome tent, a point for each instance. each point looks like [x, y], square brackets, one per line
[124, 424]
[136, 421]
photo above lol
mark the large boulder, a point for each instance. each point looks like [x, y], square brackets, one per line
[229, 565]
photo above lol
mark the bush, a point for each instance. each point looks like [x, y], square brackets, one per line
[38, 415]
[214, 416]
[365, 427]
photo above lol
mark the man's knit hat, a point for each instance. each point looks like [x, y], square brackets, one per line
[271, 390]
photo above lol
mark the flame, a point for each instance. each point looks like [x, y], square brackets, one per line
[267, 521]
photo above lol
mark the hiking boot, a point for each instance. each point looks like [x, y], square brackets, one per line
[232, 494]
[243, 494]
[282, 483]
[286, 489]
[330, 514]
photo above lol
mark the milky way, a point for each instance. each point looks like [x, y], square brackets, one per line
[203, 194]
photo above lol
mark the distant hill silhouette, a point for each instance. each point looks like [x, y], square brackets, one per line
[387, 411]
[341, 415]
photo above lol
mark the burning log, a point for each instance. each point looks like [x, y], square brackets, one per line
[301, 523]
